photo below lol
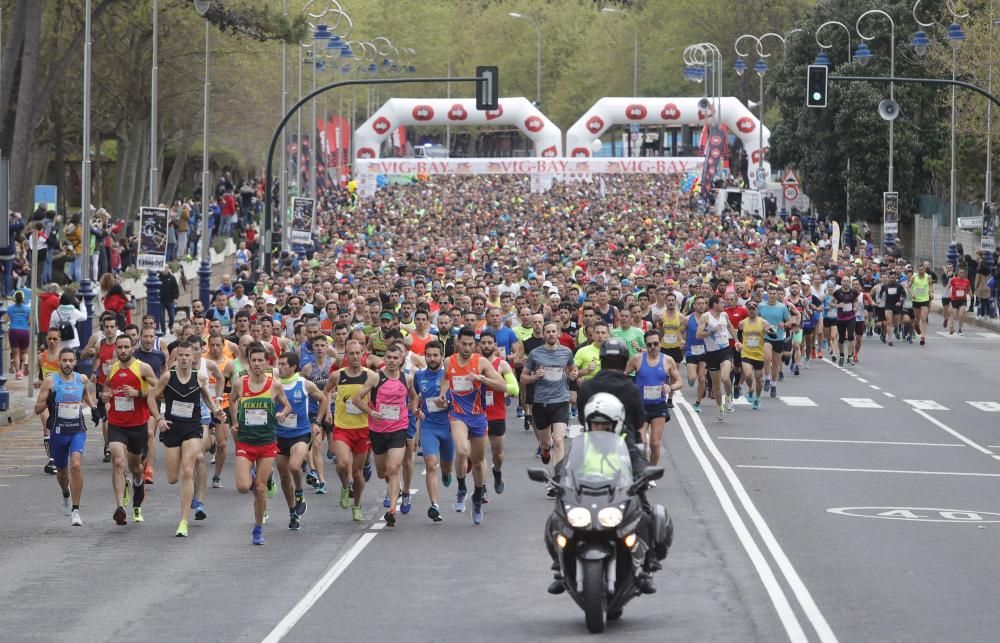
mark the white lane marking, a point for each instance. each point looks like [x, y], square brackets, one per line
[877, 388]
[926, 405]
[796, 401]
[988, 335]
[862, 380]
[862, 402]
[926, 473]
[781, 605]
[380, 524]
[317, 591]
[933, 420]
[990, 407]
[805, 599]
[887, 394]
[899, 444]
[741, 401]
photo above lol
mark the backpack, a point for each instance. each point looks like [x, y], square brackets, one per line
[66, 330]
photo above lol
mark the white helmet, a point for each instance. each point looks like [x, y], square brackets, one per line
[605, 407]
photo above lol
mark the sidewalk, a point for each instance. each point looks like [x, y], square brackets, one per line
[22, 395]
[970, 319]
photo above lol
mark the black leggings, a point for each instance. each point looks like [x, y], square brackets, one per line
[845, 330]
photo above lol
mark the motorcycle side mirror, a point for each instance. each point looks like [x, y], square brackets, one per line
[653, 473]
[538, 474]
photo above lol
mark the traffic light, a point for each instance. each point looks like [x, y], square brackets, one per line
[487, 89]
[816, 86]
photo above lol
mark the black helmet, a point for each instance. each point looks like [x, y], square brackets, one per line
[614, 348]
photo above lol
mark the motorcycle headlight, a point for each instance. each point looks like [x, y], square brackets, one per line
[579, 517]
[610, 517]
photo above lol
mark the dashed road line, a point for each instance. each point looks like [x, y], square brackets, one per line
[829, 441]
[845, 470]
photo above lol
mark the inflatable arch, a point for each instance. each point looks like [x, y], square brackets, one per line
[582, 136]
[518, 112]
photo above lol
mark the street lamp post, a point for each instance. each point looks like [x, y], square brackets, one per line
[761, 68]
[823, 59]
[921, 44]
[152, 277]
[538, 56]
[205, 269]
[989, 108]
[862, 55]
[635, 51]
[283, 193]
[86, 286]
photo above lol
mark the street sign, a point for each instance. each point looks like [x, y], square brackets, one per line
[890, 212]
[970, 222]
[791, 193]
[790, 178]
[46, 195]
[633, 128]
[488, 89]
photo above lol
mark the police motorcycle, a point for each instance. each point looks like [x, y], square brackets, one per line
[596, 532]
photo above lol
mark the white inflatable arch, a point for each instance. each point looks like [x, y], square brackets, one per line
[607, 112]
[517, 112]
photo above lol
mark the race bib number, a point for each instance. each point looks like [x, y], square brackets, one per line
[290, 422]
[553, 374]
[256, 417]
[124, 404]
[753, 342]
[891, 291]
[434, 405]
[652, 392]
[489, 398]
[182, 410]
[670, 338]
[351, 408]
[698, 350]
[959, 294]
[69, 411]
[389, 411]
[462, 383]
[848, 308]
[107, 368]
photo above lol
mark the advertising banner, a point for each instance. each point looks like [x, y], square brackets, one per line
[989, 240]
[302, 220]
[153, 224]
[890, 212]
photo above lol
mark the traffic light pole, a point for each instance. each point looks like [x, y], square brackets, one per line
[920, 81]
[268, 223]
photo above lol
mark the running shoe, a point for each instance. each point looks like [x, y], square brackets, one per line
[119, 515]
[850, 361]
[271, 487]
[546, 456]
[697, 407]
[961, 334]
[406, 503]
[257, 535]
[520, 412]
[212, 459]
[756, 404]
[50, 467]
[311, 478]
[293, 521]
[767, 385]
[212, 449]
[137, 514]
[446, 479]
[305, 467]
[390, 518]
[538, 452]
[841, 361]
[781, 376]
[265, 516]
[321, 489]
[486, 500]
[477, 513]
[345, 498]
[434, 513]
[796, 370]
[182, 529]
[750, 396]
[199, 511]
[357, 514]
[882, 337]
[730, 407]
[76, 520]
[737, 390]
[385, 501]
[216, 482]
[300, 505]
[774, 391]
[722, 415]
[459, 504]
[147, 474]
[332, 457]
[923, 341]
[125, 496]
[367, 471]
[67, 506]
[498, 485]
[572, 411]
[107, 454]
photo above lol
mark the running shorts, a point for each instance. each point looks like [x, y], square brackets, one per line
[178, 433]
[61, 445]
[658, 410]
[254, 452]
[756, 364]
[133, 437]
[676, 353]
[356, 439]
[285, 444]
[383, 442]
[714, 359]
[545, 415]
[497, 428]
[436, 440]
[475, 423]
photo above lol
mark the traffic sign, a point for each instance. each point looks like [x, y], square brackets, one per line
[970, 222]
[791, 192]
[790, 178]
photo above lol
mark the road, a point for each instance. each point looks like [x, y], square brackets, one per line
[859, 505]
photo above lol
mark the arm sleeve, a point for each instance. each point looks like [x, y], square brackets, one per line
[513, 389]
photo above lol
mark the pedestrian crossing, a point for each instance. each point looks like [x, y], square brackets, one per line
[869, 403]
[970, 335]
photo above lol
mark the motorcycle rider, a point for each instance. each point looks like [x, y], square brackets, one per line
[622, 412]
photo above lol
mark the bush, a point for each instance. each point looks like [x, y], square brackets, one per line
[219, 245]
[132, 273]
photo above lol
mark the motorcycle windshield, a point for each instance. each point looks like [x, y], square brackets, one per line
[600, 459]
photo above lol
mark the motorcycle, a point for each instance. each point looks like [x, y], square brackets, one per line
[593, 528]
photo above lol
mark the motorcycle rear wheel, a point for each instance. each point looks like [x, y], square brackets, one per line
[594, 595]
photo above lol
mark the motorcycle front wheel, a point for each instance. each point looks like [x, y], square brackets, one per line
[594, 595]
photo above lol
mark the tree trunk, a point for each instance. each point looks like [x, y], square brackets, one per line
[23, 125]
[121, 168]
[11, 58]
[177, 168]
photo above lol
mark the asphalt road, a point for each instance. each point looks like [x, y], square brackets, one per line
[814, 518]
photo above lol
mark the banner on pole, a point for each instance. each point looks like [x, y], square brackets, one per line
[890, 213]
[46, 195]
[989, 239]
[302, 220]
[153, 224]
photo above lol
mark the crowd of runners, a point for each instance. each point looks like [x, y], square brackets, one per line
[425, 320]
